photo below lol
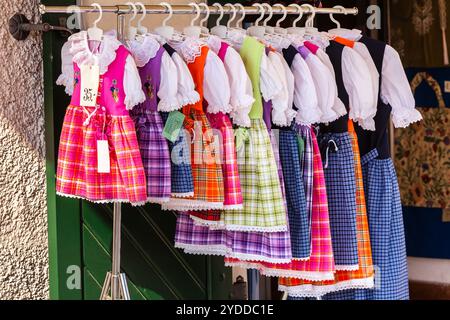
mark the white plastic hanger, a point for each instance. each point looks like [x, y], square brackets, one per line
[132, 31]
[233, 16]
[205, 30]
[239, 22]
[219, 30]
[256, 30]
[278, 29]
[310, 30]
[341, 31]
[294, 29]
[269, 29]
[165, 31]
[140, 28]
[95, 33]
[194, 31]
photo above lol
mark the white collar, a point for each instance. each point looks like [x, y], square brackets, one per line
[143, 50]
[83, 55]
[190, 48]
[353, 34]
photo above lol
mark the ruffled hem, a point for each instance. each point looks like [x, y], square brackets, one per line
[348, 268]
[339, 108]
[143, 51]
[213, 109]
[268, 272]
[67, 82]
[182, 195]
[312, 291]
[239, 228]
[179, 204]
[329, 117]
[188, 98]
[279, 119]
[367, 124]
[134, 204]
[308, 116]
[169, 105]
[290, 115]
[207, 250]
[404, 120]
[131, 102]
[232, 207]
[157, 200]
[241, 120]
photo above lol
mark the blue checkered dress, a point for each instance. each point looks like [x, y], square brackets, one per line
[341, 191]
[386, 233]
[182, 182]
[295, 193]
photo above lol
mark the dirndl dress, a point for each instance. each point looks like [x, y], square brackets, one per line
[77, 169]
[339, 169]
[149, 128]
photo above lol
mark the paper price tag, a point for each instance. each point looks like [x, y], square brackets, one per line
[103, 161]
[173, 126]
[90, 78]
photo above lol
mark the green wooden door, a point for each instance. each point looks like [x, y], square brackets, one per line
[80, 233]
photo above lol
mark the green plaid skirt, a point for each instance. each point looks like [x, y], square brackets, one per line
[264, 209]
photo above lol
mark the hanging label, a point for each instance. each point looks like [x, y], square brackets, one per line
[90, 78]
[103, 161]
[173, 126]
[301, 146]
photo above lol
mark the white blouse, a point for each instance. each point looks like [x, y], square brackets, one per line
[146, 49]
[241, 90]
[305, 94]
[186, 92]
[76, 50]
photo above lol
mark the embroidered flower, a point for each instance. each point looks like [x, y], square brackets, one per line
[115, 91]
[149, 87]
[76, 78]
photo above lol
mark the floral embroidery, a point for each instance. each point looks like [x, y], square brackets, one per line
[76, 78]
[149, 87]
[422, 18]
[115, 91]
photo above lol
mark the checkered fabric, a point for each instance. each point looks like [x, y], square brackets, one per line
[320, 266]
[295, 194]
[345, 280]
[154, 152]
[387, 233]
[341, 191]
[307, 165]
[182, 182]
[264, 209]
[77, 173]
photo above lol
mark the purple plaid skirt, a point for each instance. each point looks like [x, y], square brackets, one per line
[155, 155]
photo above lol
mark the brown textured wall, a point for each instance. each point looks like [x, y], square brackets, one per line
[23, 219]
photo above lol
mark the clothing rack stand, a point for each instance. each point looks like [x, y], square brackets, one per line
[115, 286]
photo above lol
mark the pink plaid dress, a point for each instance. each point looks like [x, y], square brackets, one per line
[321, 265]
[77, 171]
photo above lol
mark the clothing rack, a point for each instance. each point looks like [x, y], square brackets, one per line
[186, 9]
[115, 286]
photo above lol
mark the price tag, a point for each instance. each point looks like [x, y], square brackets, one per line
[103, 161]
[173, 126]
[90, 78]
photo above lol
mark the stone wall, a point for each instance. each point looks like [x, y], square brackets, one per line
[23, 207]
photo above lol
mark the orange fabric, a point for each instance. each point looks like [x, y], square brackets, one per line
[366, 269]
[345, 42]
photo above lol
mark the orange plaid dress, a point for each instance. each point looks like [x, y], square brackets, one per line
[344, 280]
[206, 170]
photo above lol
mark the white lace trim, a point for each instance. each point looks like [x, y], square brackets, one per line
[405, 119]
[241, 119]
[347, 268]
[179, 204]
[143, 51]
[214, 43]
[132, 100]
[157, 200]
[83, 55]
[135, 204]
[213, 225]
[214, 109]
[268, 272]
[240, 228]
[232, 207]
[169, 104]
[279, 118]
[313, 291]
[290, 115]
[209, 250]
[187, 98]
[182, 195]
[190, 49]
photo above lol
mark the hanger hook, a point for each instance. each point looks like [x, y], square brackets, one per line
[168, 7]
[242, 10]
[99, 7]
[332, 18]
[135, 11]
[270, 10]
[197, 9]
[260, 9]
[219, 8]
[144, 13]
[232, 8]
[208, 12]
[284, 11]
[299, 11]
[312, 10]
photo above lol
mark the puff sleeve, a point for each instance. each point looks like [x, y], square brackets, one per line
[168, 87]
[216, 86]
[132, 84]
[66, 77]
[186, 93]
